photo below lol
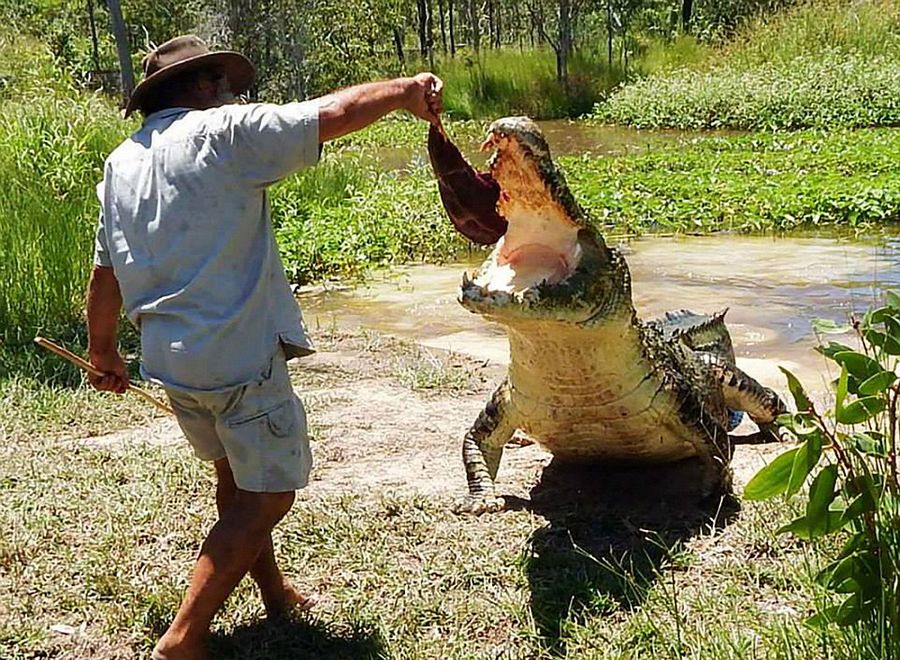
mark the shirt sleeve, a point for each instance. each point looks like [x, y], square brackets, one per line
[272, 141]
[101, 246]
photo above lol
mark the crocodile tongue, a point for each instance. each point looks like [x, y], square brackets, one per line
[469, 197]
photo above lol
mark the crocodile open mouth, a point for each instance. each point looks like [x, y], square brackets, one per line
[522, 204]
[540, 244]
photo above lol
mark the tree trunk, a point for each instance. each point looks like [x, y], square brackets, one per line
[398, 46]
[297, 48]
[564, 40]
[422, 14]
[532, 25]
[491, 7]
[451, 26]
[118, 28]
[95, 44]
[429, 29]
[687, 8]
[609, 34]
[443, 27]
[474, 26]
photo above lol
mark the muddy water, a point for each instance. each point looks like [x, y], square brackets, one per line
[565, 137]
[772, 287]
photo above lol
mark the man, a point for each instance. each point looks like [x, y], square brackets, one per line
[185, 244]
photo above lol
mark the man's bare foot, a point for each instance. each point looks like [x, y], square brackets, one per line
[289, 600]
[167, 649]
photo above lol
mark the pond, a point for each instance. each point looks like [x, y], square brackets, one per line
[566, 138]
[773, 287]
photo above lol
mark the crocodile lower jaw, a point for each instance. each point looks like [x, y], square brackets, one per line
[515, 269]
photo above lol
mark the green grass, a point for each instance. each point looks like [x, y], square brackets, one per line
[404, 578]
[867, 28]
[51, 152]
[657, 56]
[820, 64]
[53, 140]
[511, 81]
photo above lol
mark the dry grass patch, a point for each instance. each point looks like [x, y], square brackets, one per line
[99, 538]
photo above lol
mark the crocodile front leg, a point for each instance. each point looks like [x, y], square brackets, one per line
[482, 449]
[744, 393]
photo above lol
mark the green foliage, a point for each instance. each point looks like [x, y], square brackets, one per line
[870, 28]
[340, 219]
[808, 91]
[64, 28]
[720, 19]
[27, 69]
[821, 64]
[305, 48]
[657, 56]
[53, 141]
[856, 494]
[511, 81]
[761, 182]
[758, 182]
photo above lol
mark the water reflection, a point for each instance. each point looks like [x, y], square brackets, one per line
[773, 288]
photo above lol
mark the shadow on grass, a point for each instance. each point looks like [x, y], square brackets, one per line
[297, 637]
[611, 531]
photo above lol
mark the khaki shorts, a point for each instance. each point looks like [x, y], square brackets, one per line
[260, 427]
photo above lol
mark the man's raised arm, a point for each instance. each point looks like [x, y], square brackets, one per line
[353, 108]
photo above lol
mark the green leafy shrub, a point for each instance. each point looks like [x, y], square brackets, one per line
[366, 219]
[849, 457]
[808, 91]
[823, 63]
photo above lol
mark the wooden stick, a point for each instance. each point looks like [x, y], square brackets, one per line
[91, 369]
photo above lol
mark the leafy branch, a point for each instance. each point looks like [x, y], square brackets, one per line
[856, 491]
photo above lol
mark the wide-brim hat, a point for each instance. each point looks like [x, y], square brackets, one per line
[186, 53]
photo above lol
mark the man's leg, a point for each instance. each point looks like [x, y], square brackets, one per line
[232, 546]
[278, 594]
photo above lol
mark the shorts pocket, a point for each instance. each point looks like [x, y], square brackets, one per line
[268, 413]
[282, 419]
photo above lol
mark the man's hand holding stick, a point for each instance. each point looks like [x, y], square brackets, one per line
[94, 371]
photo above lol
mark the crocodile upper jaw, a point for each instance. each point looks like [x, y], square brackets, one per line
[540, 244]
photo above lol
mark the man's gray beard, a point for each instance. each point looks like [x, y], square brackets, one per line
[223, 92]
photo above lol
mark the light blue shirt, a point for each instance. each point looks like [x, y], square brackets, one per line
[185, 225]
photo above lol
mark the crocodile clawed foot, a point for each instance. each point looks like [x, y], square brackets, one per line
[776, 432]
[478, 504]
[767, 433]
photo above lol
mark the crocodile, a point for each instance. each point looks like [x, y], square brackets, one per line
[587, 380]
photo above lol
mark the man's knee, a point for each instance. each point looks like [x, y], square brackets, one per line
[281, 503]
[270, 507]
